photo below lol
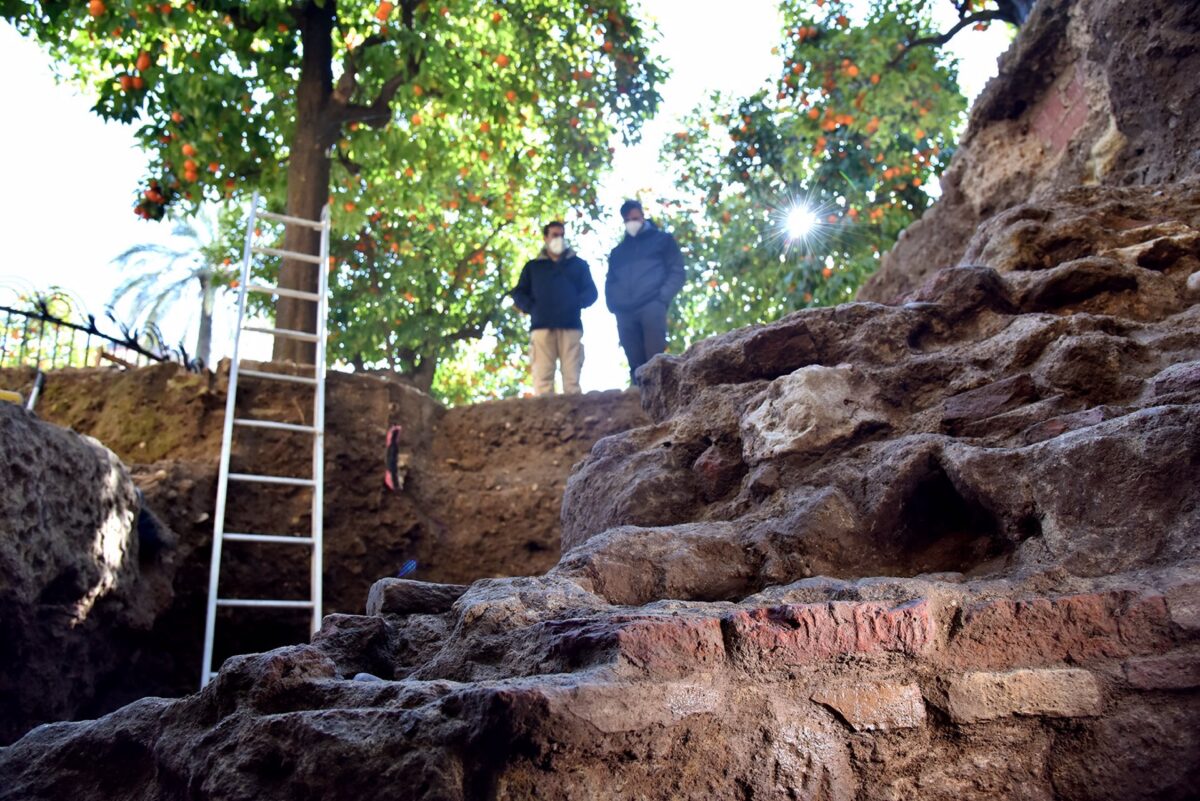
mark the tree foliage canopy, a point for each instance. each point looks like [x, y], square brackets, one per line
[843, 141]
[445, 131]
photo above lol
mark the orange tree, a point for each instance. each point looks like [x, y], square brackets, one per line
[439, 131]
[838, 148]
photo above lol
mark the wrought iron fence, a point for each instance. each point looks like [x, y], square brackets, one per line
[38, 331]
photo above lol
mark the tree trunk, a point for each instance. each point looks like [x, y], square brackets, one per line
[307, 178]
[422, 376]
[208, 296]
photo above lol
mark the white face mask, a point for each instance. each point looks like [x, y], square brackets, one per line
[633, 227]
[556, 246]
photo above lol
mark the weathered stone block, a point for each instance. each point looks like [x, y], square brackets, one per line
[717, 471]
[656, 645]
[393, 596]
[875, 705]
[1183, 604]
[1075, 628]
[774, 637]
[1057, 693]
[985, 401]
[809, 410]
[1176, 671]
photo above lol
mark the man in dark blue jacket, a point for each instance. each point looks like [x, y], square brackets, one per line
[553, 289]
[645, 272]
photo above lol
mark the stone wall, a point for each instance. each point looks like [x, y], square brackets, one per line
[1092, 92]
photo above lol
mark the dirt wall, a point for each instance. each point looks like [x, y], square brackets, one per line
[481, 497]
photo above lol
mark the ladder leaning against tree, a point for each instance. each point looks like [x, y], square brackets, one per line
[232, 421]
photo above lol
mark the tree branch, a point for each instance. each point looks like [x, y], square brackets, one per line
[353, 167]
[938, 41]
[378, 113]
[465, 261]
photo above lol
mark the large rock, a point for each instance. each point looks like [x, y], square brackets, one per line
[970, 430]
[79, 588]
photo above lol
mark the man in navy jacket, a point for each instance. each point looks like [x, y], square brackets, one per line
[553, 289]
[645, 271]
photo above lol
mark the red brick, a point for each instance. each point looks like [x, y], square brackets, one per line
[802, 634]
[1071, 628]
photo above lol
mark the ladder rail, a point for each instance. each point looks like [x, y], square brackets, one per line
[318, 472]
[214, 572]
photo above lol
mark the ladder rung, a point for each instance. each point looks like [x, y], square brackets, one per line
[281, 539]
[288, 220]
[294, 482]
[297, 379]
[283, 292]
[242, 421]
[264, 603]
[284, 332]
[287, 254]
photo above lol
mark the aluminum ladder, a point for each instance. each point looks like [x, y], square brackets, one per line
[232, 421]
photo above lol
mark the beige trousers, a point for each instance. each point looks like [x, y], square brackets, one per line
[550, 346]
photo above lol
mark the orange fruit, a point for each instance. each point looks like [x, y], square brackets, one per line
[189, 166]
[384, 10]
[415, 119]
[409, 172]
[126, 82]
[484, 127]
[827, 272]
[96, 8]
[348, 206]
[852, 71]
[143, 61]
[189, 149]
[510, 95]
[176, 117]
[138, 83]
[497, 17]
[875, 78]
[213, 167]
[502, 60]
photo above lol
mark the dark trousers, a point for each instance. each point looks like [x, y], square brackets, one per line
[643, 334]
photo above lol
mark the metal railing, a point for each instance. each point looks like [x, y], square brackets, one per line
[37, 336]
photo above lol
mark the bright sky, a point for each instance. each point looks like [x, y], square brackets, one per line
[66, 209]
